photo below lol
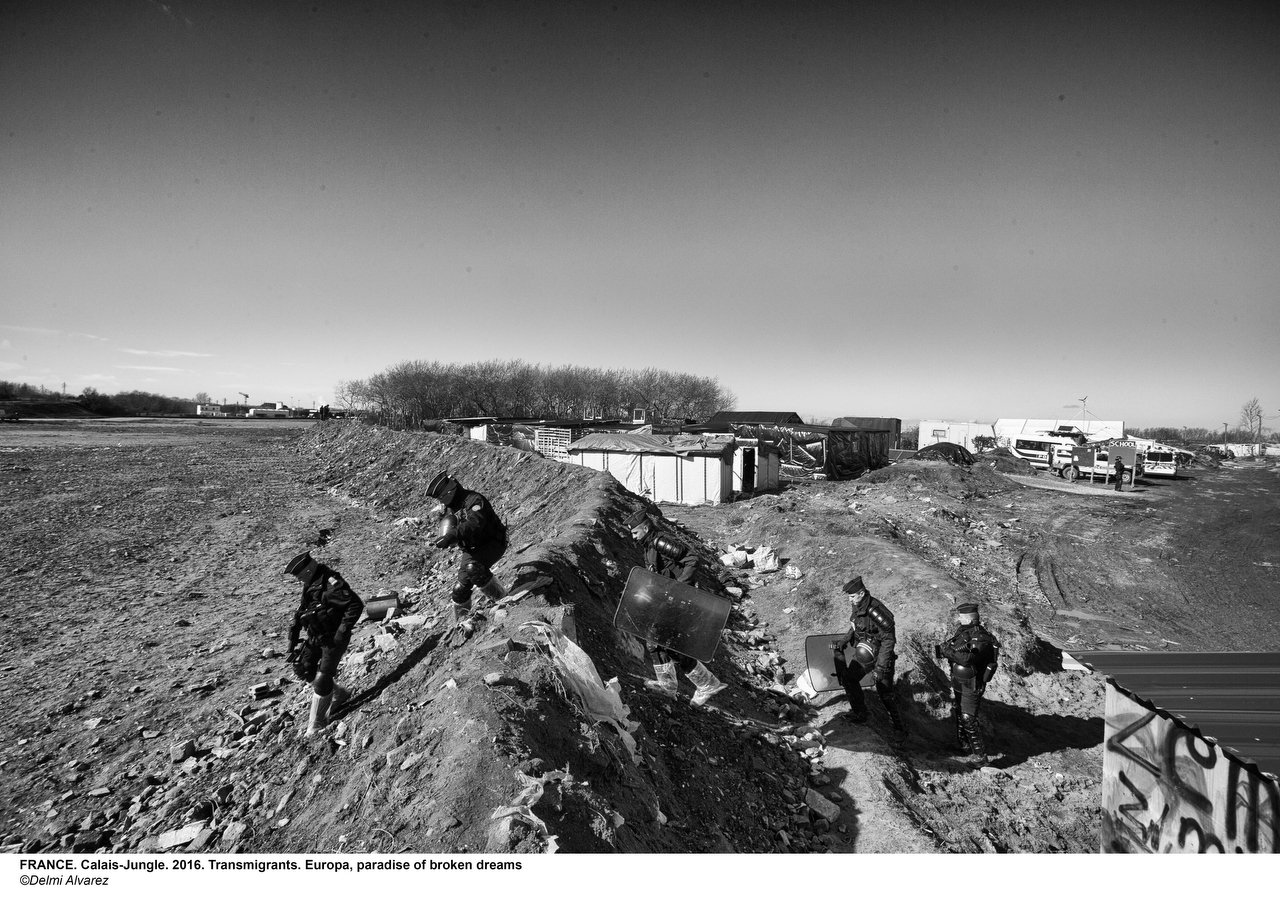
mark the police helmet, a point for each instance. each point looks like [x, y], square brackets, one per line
[443, 488]
[966, 613]
[864, 654]
[299, 564]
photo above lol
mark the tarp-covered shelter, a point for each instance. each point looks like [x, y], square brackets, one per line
[802, 449]
[681, 469]
[858, 445]
[952, 453]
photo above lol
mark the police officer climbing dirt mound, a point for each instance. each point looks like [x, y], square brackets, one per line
[327, 613]
[671, 558]
[469, 522]
[872, 633]
[973, 653]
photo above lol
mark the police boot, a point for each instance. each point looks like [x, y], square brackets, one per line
[340, 696]
[462, 615]
[891, 709]
[706, 682]
[962, 738]
[666, 681]
[319, 719]
[493, 589]
[974, 733]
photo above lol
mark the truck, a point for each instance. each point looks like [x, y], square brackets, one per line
[1098, 461]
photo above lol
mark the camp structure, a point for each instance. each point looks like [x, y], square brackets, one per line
[1191, 750]
[548, 436]
[842, 450]
[679, 469]
[858, 445]
[757, 465]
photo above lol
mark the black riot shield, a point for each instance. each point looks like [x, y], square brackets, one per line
[672, 615]
[821, 663]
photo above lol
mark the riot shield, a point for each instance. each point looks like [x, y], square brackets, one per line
[672, 615]
[821, 663]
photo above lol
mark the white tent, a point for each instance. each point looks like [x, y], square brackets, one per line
[1006, 429]
[678, 470]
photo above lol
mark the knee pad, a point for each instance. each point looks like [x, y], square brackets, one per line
[461, 593]
[474, 572]
[323, 684]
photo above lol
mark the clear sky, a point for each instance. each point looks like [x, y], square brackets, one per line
[917, 210]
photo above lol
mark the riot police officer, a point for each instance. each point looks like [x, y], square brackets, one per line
[327, 613]
[671, 558]
[972, 652]
[470, 523]
[873, 635]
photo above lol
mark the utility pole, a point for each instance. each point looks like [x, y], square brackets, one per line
[1224, 432]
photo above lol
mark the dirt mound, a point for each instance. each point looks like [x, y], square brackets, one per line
[950, 480]
[446, 732]
[449, 731]
[951, 453]
[1002, 459]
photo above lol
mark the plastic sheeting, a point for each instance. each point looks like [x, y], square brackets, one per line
[599, 701]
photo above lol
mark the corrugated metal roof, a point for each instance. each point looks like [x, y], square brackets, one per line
[650, 443]
[755, 418]
[1231, 696]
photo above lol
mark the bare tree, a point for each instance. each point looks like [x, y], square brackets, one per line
[1251, 419]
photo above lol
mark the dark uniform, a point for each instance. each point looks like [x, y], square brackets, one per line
[480, 535]
[1119, 473]
[872, 632]
[327, 614]
[973, 653]
[669, 557]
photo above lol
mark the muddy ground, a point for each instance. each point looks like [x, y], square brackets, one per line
[148, 706]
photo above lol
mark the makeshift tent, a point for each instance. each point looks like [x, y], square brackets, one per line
[679, 469]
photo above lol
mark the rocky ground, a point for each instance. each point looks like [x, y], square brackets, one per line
[148, 706]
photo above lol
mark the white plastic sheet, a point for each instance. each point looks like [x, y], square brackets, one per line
[600, 702]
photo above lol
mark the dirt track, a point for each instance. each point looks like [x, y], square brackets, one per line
[144, 599]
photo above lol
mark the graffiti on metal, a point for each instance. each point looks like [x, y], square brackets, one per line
[1167, 789]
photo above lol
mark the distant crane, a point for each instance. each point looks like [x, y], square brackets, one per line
[245, 397]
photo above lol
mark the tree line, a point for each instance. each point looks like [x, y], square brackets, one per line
[134, 402]
[416, 393]
[1248, 429]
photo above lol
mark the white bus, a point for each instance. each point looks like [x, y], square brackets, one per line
[268, 413]
[1046, 449]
